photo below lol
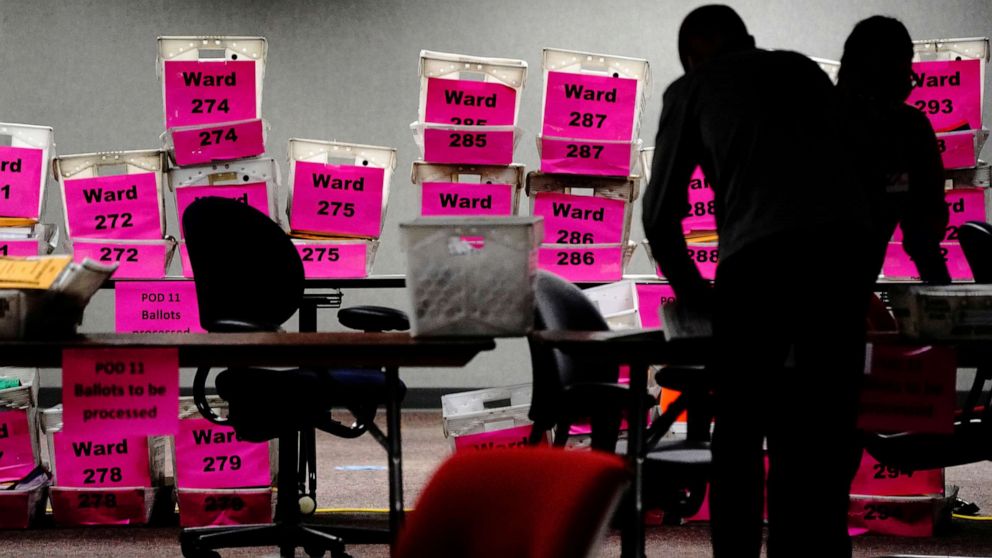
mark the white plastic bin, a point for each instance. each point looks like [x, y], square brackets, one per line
[25, 153]
[487, 418]
[500, 80]
[444, 189]
[208, 80]
[254, 182]
[337, 188]
[114, 194]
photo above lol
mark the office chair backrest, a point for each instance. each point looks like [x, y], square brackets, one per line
[526, 502]
[560, 305]
[976, 242]
[245, 267]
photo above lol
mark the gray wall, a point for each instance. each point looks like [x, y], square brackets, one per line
[347, 70]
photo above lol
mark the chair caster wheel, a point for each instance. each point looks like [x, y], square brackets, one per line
[307, 505]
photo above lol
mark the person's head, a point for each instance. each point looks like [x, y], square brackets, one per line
[708, 32]
[877, 61]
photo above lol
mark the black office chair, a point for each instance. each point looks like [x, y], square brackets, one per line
[567, 390]
[971, 440]
[249, 277]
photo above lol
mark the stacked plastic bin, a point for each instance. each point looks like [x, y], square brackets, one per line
[699, 223]
[588, 144]
[949, 89]
[212, 96]
[888, 501]
[101, 478]
[220, 479]
[337, 205]
[466, 130]
[113, 209]
[25, 154]
[23, 483]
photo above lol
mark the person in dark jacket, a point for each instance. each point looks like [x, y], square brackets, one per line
[792, 221]
[899, 163]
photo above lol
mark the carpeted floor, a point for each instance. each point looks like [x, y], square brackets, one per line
[352, 475]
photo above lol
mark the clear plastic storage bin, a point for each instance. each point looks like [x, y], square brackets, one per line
[338, 189]
[944, 312]
[451, 190]
[32, 240]
[114, 194]
[586, 262]
[450, 144]
[25, 153]
[135, 259]
[471, 276]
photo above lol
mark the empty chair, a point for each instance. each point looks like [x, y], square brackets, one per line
[568, 389]
[522, 503]
[249, 277]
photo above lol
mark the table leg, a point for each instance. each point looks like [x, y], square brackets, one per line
[308, 314]
[395, 451]
[632, 534]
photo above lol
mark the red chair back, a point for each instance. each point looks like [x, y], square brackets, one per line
[521, 502]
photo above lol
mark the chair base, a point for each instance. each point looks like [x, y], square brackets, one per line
[316, 540]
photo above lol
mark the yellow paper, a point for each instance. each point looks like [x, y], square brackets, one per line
[16, 222]
[31, 273]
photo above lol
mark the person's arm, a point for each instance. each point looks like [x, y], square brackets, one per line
[665, 200]
[925, 220]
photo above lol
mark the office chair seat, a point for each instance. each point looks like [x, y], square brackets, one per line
[374, 318]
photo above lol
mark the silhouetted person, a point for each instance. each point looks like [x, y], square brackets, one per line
[789, 287]
[898, 160]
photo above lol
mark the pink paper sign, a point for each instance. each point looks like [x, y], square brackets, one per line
[16, 453]
[209, 455]
[252, 194]
[949, 92]
[904, 517]
[706, 256]
[565, 156]
[112, 506]
[469, 103]
[119, 206]
[570, 219]
[957, 150]
[20, 182]
[218, 143]
[898, 265]
[20, 247]
[515, 437]
[127, 392]
[337, 199]
[209, 92]
[877, 479]
[909, 389]
[467, 147]
[582, 263]
[328, 260]
[135, 260]
[202, 508]
[156, 307]
[455, 198]
[963, 205]
[701, 212]
[99, 460]
[650, 298]
[589, 107]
